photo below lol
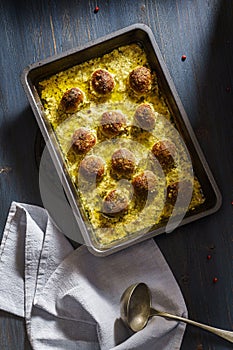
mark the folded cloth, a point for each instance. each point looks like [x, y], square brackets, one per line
[70, 298]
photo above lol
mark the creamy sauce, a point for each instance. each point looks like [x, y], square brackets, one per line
[138, 220]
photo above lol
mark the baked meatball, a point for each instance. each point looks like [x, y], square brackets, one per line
[83, 140]
[115, 203]
[123, 163]
[182, 188]
[112, 123]
[102, 82]
[140, 80]
[145, 117]
[145, 183]
[165, 152]
[71, 100]
[92, 168]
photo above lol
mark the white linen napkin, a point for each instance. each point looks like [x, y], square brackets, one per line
[70, 298]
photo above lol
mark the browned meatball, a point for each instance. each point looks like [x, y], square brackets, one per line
[102, 81]
[71, 100]
[112, 123]
[183, 188]
[144, 183]
[83, 140]
[115, 203]
[145, 117]
[92, 167]
[123, 163]
[165, 152]
[140, 80]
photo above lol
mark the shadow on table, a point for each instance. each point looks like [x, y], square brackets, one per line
[213, 128]
[10, 339]
[19, 134]
[213, 125]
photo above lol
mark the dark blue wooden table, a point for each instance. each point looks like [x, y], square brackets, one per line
[203, 31]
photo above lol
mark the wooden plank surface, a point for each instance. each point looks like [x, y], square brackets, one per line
[202, 30]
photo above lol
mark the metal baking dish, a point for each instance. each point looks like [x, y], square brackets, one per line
[141, 34]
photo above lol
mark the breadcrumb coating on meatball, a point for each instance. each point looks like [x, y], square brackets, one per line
[179, 188]
[115, 203]
[71, 100]
[144, 183]
[123, 163]
[92, 167]
[102, 82]
[83, 140]
[112, 123]
[145, 117]
[165, 152]
[140, 80]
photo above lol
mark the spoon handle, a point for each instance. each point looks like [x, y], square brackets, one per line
[228, 335]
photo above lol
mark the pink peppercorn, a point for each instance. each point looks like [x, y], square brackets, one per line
[209, 256]
[96, 9]
[183, 58]
[215, 280]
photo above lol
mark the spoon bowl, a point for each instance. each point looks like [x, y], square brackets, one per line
[136, 306]
[136, 311]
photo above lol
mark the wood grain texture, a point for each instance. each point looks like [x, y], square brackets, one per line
[202, 30]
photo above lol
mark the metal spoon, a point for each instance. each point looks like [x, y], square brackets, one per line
[136, 310]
